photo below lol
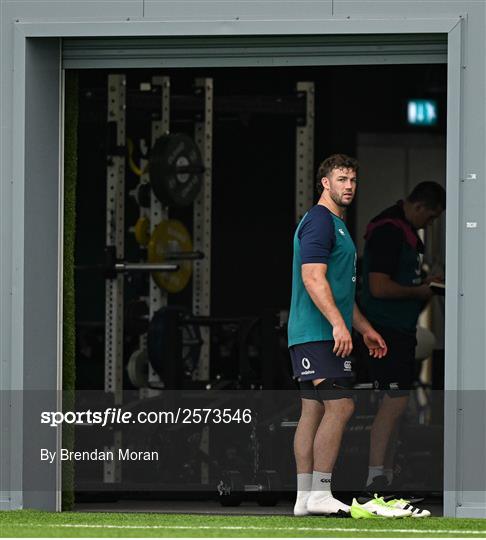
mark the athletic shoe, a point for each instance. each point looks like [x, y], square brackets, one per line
[326, 506]
[376, 508]
[405, 505]
[300, 506]
[378, 485]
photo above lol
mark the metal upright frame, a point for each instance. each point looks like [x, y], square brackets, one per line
[201, 279]
[158, 213]
[115, 236]
[304, 186]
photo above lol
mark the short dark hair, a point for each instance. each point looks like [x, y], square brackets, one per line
[336, 161]
[431, 194]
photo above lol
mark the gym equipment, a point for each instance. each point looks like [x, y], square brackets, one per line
[137, 368]
[178, 174]
[133, 166]
[176, 170]
[142, 231]
[171, 241]
[136, 317]
[269, 487]
[266, 489]
[112, 267]
[173, 346]
[239, 344]
[230, 488]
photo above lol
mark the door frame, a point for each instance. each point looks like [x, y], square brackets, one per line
[43, 40]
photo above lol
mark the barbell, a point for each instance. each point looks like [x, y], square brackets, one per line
[170, 255]
[112, 266]
[170, 241]
[266, 488]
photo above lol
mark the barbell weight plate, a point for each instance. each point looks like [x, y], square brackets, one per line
[142, 231]
[230, 488]
[168, 237]
[137, 368]
[176, 170]
[272, 487]
[169, 340]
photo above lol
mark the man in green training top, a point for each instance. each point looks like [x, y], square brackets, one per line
[322, 314]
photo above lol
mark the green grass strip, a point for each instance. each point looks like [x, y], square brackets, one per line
[69, 336]
[138, 525]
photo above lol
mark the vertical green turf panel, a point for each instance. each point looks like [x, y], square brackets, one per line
[69, 337]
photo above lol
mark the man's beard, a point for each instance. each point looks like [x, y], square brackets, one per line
[337, 200]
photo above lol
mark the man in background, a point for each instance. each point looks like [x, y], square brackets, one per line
[393, 295]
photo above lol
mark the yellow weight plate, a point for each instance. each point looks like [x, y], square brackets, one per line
[169, 237]
[142, 233]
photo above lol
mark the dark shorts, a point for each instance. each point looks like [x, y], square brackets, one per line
[336, 389]
[315, 360]
[395, 372]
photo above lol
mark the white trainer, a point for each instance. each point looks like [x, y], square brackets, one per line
[326, 505]
[300, 506]
[376, 508]
[405, 505]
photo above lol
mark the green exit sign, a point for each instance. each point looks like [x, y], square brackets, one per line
[422, 112]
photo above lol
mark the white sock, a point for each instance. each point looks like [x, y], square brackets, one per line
[321, 484]
[389, 475]
[373, 472]
[304, 483]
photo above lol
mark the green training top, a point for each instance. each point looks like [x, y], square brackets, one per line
[321, 237]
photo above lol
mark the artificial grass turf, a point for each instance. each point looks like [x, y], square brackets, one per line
[29, 523]
[69, 336]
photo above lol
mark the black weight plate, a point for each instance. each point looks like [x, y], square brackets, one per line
[230, 488]
[163, 344]
[272, 486]
[173, 348]
[176, 170]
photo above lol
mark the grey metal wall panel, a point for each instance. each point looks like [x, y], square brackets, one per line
[252, 50]
[11, 368]
[243, 9]
[41, 266]
[392, 8]
[472, 351]
[68, 9]
[5, 299]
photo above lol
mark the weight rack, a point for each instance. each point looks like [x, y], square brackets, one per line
[115, 221]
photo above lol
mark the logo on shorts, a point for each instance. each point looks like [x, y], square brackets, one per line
[394, 386]
[306, 365]
[347, 365]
